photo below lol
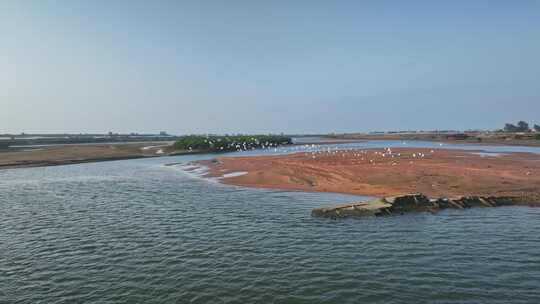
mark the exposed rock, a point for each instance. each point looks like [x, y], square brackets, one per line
[418, 203]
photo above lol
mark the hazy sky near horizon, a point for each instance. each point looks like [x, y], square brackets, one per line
[267, 66]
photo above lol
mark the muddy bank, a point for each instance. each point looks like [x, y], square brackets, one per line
[75, 154]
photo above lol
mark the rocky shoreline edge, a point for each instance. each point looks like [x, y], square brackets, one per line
[417, 202]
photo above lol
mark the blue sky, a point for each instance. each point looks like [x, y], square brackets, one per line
[267, 66]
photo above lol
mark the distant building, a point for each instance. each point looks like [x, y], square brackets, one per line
[163, 133]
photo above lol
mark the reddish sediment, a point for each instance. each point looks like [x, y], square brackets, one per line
[379, 173]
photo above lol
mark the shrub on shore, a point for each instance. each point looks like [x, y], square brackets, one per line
[522, 126]
[230, 143]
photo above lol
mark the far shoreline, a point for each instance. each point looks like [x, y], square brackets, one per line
[472, 139]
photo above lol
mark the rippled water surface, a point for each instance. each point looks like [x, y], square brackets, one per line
[139, 232]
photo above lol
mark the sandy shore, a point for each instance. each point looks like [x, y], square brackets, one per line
[73, 154]
[378, 172]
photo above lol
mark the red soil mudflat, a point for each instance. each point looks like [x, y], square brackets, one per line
[378, 172]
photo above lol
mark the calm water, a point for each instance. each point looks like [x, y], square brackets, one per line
[139, 232]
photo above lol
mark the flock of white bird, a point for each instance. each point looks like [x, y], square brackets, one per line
[364, 155]
[315, 151]
[244, 146]
[370, 156]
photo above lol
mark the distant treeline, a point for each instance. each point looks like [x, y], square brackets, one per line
[521, 126]
[230, 143]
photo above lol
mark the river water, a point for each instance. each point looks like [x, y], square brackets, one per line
[137, 231]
